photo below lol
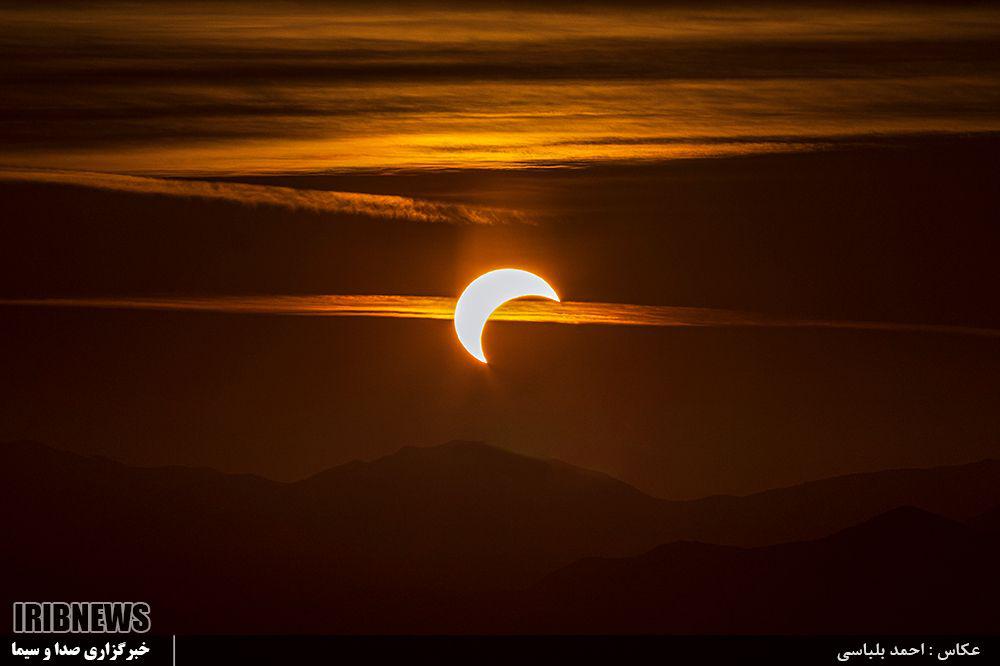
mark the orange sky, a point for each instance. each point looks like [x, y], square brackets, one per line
[185, 89]
[371, 161]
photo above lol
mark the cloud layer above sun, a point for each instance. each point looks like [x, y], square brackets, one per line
[168, 88]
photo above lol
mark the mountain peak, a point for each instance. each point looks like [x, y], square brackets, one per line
[906, 520]
[475, 469]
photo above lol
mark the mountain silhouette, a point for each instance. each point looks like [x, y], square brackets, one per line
[903, 572]
[988, 521]
[447, 538]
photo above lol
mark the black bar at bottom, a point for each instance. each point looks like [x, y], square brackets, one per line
[517, 650]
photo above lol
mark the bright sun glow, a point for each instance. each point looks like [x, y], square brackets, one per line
[487, 293]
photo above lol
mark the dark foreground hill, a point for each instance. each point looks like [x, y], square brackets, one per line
[903, 572]
[425, 540]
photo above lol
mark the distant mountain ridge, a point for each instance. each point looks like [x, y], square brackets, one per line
[423, 528]
[906, 571]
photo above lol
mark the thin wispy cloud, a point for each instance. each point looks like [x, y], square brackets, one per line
[347, 203]
[530, 311]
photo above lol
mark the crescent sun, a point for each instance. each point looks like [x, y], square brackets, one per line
[487, 293]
